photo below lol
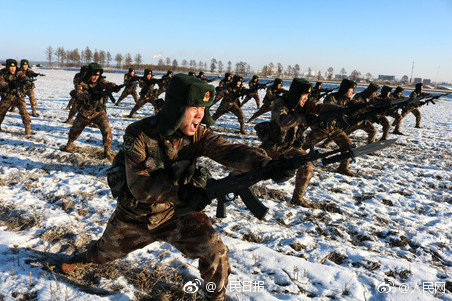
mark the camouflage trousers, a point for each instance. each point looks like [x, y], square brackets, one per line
[144, 100]
[366, 126]
[225, 107]
[33, 103]
[126, 92]
[266, 107]
[81, 122]
[303, 175]
[397, 120]
[384, 122]
[74, 109]
[18, 102]
[415, 111]
[249, 96]
[337, 135]
[192, 234]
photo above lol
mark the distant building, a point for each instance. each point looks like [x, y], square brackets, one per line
[340, 76]
[416, 80]
[426, 81]
[390, 78]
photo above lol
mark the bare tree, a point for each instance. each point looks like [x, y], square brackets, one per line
[280, 69]
[102, 57]
[184, 63]
[309, 73]
[61, 56]
[161, 62]
[319, 75]
[88, 55]
[96, 56]
[343, 72]
[138, 59]
[220, 66]
[49, 54]
[128, 59]
[289, 70]
[200, 65]
[405, 79]
[168, 61]
[330, 72]
[296, 70]
[109, 58]
[368, 76]
[265, 71]
[229, 66]
[192, 64]
[68, 57]
[118, 59]
[175, 64]
[355, 75]
[213, 65]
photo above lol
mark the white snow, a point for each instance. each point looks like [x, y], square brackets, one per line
[395, 224]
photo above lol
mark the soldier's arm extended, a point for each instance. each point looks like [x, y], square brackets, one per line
[286, 118]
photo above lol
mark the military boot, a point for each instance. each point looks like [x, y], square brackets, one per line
[397, 132]
[27, 130]
[76, 261]
[242, 128]
[343, 168]
[297, 199]
[107, 153]
[34, 113]
[68, 147]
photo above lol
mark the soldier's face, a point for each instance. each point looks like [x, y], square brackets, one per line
[349, 92]
[192, 118]
[399, 94]
[149, 76]
[170, 75]
[25, 67]
[303, 99]
[132, 73]
[94, 78]
[373, 95]
[239, 83]
[12, 69]
[278, 86]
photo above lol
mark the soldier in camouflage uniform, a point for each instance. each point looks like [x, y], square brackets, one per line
[25, 68]
[192, 73]
[164, 83]
[73, 105]
[224, 83]
[413, 109]
[273, 92]
[147, 93]
[131, 81]
[397, 117]
[92, 108]
[230, 101]
[159, 156]
[12, 92]
[284, 134]
[254, 86]
[385, 95]
[367, 126]
[340, 98]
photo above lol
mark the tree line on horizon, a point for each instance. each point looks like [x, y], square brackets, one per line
[76, 58]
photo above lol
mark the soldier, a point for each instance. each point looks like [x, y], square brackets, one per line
[318, 133]
[367, 126]
[164, 83]
[201, 76]
[284, 134]
[254, 86]
[92, 108]
[73, 104]
[273, 92]
[29, 86]
[130, 80]
[413, 109]
[12, 92]
[385, 95]
[159, 158]
[224, 83]
[397, 117]
[230, 101]
[191, 73]
[147, 93]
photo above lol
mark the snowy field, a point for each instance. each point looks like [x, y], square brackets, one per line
[384, 235]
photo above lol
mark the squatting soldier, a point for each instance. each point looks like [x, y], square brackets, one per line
[12, 92]
[130, 80]
[230, 101]
[385, 95]
[147, 93]
[224, 83]
[160, 154]
[164, 83]
[254, 86]
[29, 86]
[413, 109]
[318, 133]
[397, 117]
[92, 108]
[273, 92]
[367, 126]
[284, 134]
[73, 105]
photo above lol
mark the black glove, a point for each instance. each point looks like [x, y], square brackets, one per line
[116, 89]
[280, 170]
[195, 197]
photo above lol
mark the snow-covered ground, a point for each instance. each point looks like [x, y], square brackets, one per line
[387, 237]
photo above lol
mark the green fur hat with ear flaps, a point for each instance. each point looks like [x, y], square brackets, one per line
[184, 91]
[298, 87]
[345, 85]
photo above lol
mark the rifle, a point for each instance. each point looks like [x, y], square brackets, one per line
[132, 81]
[429, 99]
[16, 87]
[107, 92]
[35, 75]
[325, 92]
[227, 188]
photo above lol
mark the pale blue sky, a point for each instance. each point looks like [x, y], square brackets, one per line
[380, 37]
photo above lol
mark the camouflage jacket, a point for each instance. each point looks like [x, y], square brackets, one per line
[30, 74]
[147, 87]
[337, 99]
[415, 94]
[130, 81]
[7, 88]
[77, 79]
[223, 84]
[231, 94]
[272, 93]
[156, 166]
[90, 98]
[164, 82]
[286, 127]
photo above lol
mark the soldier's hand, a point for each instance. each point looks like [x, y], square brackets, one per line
[194, 197]
[280, 170]
[116, 89]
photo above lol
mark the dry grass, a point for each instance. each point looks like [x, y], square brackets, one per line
[16, 219]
